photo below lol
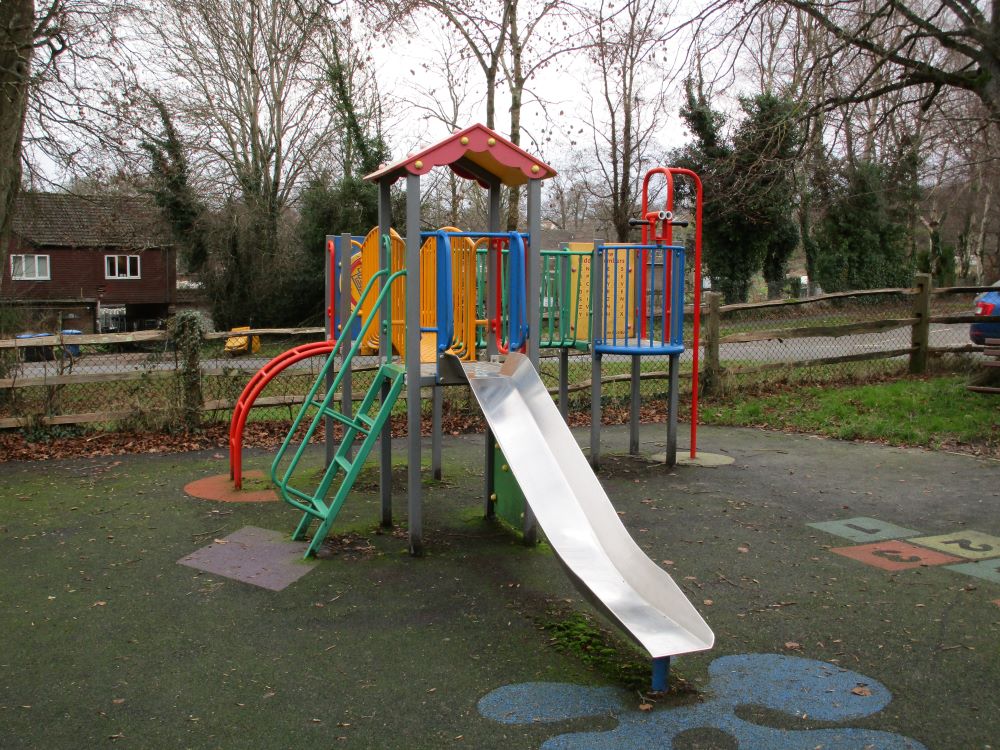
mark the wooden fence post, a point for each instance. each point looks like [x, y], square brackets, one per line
[920, 336]
[711, 376]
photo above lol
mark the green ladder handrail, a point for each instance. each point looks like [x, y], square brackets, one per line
[389, 377]
[324, 410]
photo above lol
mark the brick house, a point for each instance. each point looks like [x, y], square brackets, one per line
[79, 260]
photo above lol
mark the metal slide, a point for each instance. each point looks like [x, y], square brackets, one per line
[576, 514]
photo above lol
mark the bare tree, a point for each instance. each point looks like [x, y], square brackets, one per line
[510, 41]
[447, 105]
[568, 202]
[49, 103]
[627, 109]
[539, 33]
[482, 28]
[245, 82]
[918, 46]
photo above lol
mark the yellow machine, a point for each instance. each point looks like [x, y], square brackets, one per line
[236, 345]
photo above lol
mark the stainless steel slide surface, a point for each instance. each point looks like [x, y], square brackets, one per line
[576, 514]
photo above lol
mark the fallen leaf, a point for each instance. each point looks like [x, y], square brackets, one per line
[862, 690]
[645, 706]
[220, 541]
[708, 602]
[117, 701]
[792, 645]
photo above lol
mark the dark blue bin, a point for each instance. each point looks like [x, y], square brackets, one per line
[73, 349]
[36, 353]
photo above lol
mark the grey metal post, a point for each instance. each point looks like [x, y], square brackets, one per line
[347, 396]
[489, 477]
[671, 453]
[385, 344]
[564, 382]
[436, 398]
[491, 263]
[633, 411]
[413, 362]
[595, 409]
[597, 305]
[565, 271]
[331, 333]
[534, 269]
[489, 471]
[534, 282]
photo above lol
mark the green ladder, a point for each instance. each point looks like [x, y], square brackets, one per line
[369, 421]
[314, 505]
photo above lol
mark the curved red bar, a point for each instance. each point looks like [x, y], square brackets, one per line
[261, 378]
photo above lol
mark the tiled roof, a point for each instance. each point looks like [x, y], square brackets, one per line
[67, 220]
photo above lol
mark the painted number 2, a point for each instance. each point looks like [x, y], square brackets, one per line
[967, 545]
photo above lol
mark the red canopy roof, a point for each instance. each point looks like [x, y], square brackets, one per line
[475, 153]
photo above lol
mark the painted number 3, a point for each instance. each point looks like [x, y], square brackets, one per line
[895, 556]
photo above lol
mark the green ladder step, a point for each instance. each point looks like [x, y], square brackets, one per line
[361, 423]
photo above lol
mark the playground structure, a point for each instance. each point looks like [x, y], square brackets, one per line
[438, 308]
[640, 285]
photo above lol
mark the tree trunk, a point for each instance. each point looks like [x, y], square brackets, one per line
[16, 31]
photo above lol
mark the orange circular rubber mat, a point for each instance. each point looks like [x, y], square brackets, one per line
[220, 488]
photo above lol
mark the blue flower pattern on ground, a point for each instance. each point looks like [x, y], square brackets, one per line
[798, 687]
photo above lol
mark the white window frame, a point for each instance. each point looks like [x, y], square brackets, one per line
[128, 267]
[34, 257]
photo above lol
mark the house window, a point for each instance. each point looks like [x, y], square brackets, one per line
[29, 267]
[121, 267]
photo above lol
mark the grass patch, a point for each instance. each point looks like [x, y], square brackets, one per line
[612, 657]
[930, 412]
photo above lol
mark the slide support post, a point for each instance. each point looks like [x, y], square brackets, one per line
[661, 674]
[385, 351]
[633, 411]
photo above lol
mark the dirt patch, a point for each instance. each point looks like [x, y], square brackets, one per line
[220, 488]
[615, 466]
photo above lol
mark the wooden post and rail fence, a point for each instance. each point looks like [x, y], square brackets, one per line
[919, 322]
[55, 347]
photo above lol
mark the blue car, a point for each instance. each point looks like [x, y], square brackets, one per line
[987, 303]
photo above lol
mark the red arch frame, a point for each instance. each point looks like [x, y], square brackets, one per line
[261, 378]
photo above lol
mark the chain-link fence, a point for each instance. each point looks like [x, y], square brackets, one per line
[131, 380]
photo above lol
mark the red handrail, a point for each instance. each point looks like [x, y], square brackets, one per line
[261, 378]
[666, 237]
